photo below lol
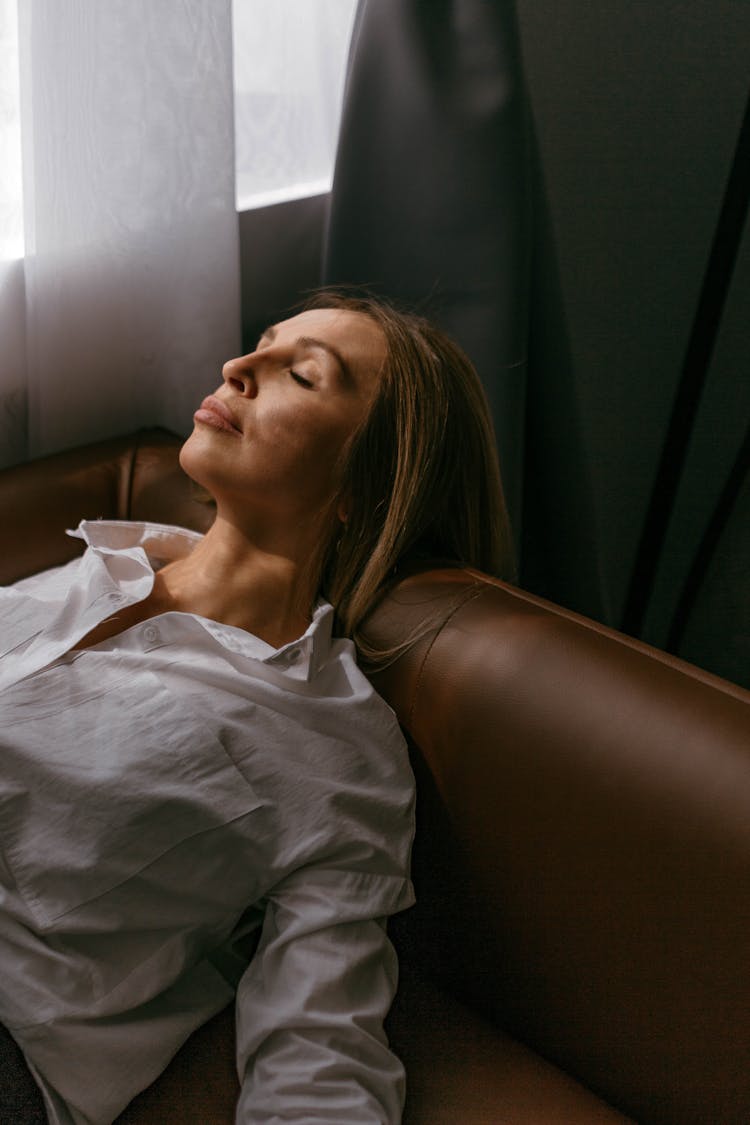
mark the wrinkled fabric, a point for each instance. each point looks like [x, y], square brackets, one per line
[439, 203]
[164, 794]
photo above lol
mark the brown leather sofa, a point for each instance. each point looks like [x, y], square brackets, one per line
[580, 950]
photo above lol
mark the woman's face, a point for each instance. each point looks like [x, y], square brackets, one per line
[267, 441]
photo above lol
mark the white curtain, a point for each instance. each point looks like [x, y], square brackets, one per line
[126, 301]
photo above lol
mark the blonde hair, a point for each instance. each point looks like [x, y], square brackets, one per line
[420, 475]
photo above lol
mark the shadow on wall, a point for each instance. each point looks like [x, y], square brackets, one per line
[280, 254]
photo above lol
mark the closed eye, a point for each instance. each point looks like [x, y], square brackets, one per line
[303, 382]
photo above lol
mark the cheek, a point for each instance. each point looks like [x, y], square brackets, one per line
[300, 440]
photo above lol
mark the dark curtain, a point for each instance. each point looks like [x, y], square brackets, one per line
[438, 203]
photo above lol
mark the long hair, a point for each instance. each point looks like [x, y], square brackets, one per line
[420, 474]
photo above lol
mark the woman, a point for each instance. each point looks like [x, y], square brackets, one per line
[193, 763]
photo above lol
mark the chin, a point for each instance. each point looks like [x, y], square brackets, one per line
[195, 459]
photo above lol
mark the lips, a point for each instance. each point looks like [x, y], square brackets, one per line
[215, 413]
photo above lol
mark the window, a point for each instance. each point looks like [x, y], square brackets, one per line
[289, 68]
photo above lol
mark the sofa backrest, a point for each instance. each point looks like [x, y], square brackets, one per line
[590, 800]
[135, 477]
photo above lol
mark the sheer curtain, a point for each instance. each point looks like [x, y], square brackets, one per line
[12, 313]
[126, 300]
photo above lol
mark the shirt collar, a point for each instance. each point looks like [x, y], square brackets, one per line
[303, 658]
[161, 542]
[155, 544]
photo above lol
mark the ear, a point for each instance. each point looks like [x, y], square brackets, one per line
[342, 511]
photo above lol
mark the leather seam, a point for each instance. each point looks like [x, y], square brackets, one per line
[130, 476]
[473, 592]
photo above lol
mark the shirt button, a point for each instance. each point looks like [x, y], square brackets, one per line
[151, 633]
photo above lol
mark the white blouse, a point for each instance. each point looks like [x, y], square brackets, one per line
[167, 792]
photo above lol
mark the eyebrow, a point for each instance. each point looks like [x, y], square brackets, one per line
[312, 342]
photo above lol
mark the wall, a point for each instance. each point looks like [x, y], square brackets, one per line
[280, 252]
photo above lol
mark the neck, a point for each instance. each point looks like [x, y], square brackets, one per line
[268, 590]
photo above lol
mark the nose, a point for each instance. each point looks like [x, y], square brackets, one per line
[239, 374]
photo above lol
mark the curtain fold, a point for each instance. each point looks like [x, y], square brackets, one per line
[13, 372]
[438, 203]
[12, 305]
[127, 301]
[429, 201]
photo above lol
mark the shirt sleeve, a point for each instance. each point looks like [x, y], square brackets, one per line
[311, 1048]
